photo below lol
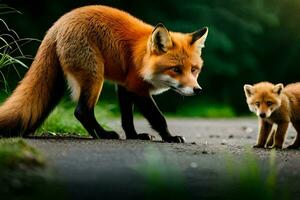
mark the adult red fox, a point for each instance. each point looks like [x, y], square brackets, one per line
[93, 43]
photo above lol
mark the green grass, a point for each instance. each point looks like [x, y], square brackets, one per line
[11, 54]
[63, 121]
[18, 164]
[24, 173]
[163, 179]
[16, 153]
[247, 178]
[206, 110]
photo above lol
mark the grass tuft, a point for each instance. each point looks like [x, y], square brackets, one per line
[11, 55]
[247, 178]
[17, 154]
[163, 179]
[24, 174]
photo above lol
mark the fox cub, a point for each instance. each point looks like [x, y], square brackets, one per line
[275, 104]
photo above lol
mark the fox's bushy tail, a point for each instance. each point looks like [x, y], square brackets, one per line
[36, 95]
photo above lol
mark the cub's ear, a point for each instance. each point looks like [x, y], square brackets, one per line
[248, 90]
[160, 40]
[199, 37]
[278, 88]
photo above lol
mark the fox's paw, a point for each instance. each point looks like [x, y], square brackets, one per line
[145, 136]
[109, 135]
[269, 144]
[174, 139]
[276, 147]
[258, 146]
[140, 136]
[293, 147]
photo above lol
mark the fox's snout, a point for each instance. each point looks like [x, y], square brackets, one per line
[186, 86]
[187, 90]
[197, 90]
[262, 115]
[264, 111]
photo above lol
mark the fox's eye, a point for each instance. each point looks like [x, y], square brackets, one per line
[177, 70]
[194, 69]
[269, 103]
[257, 104]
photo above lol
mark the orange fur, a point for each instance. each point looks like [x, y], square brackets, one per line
[280, 106]
[91, 44]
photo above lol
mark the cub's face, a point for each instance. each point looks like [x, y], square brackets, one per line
[263, 98]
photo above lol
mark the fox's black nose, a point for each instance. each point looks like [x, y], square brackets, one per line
[197, 90]
[262, 115]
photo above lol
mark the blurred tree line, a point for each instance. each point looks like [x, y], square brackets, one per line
[249, 41]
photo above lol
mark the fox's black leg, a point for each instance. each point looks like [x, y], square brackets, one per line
[85, 77]
[157, 121]
[85, 114]
[126, 108]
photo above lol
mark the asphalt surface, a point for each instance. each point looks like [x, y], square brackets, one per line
[205, 167]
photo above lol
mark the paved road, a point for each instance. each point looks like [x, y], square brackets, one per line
[216, 156]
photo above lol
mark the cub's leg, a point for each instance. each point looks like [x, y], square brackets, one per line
[296, 143]
[126, 108]
[280, 135]
[157, 121]
[264, 132]
[271, 138]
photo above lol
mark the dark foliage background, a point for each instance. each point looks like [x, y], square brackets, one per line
[249, 40]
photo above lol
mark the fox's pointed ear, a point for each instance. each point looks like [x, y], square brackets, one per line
[248, 90]
[278, 88]
[160, 40]
[199, 37]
